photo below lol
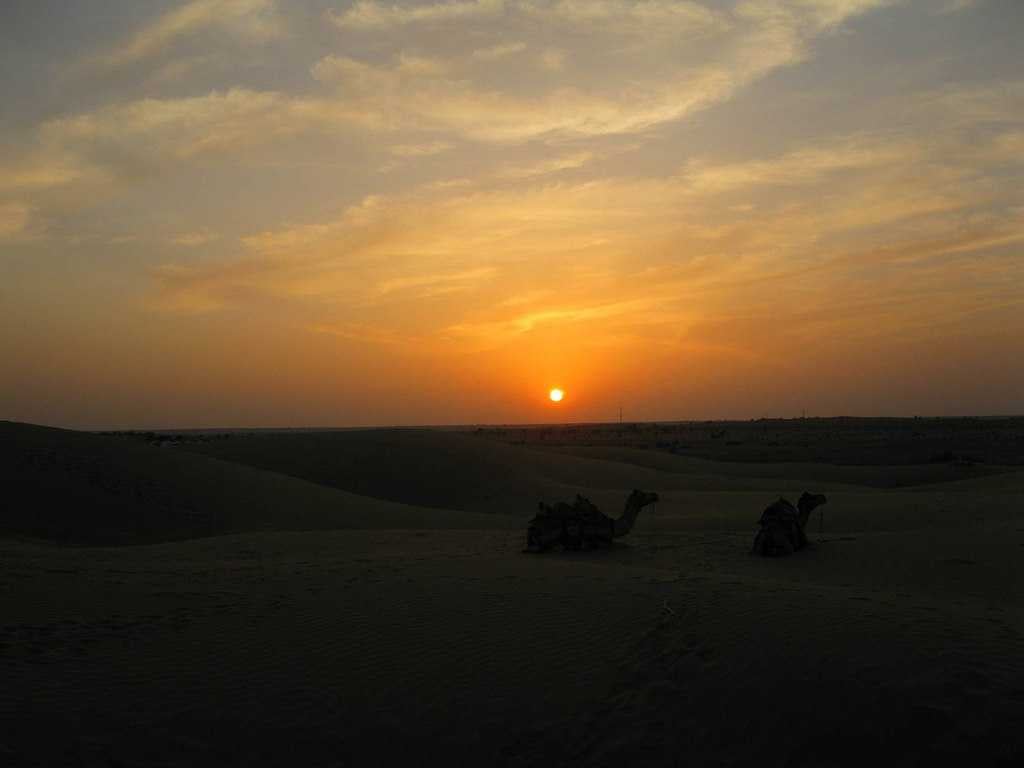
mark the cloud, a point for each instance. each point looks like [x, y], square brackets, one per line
[859, 233]
[975, 105]
[417, 93]
[421, 66]
[495, 333]
[675, 17]
[441, 104]
[14, 220]
[44, 169]
[803, 166]
[814, 15]
[288, 242]
[132, 140]
[178, 69]
[497, 52]
[427, 285]
[195, 239]
[441, 239]
[955, 6]
[252, 20]
[757, 38]
[545, 167]
[552, 60]
[368, 15]
[421, 150]
[360, 332]
[179, 128]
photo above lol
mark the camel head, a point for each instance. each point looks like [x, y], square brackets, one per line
[641, 498]
[809, 502]
[636, 501]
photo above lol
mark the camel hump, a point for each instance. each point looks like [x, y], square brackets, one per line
[779, 511]
[781, 530]
[811, 501]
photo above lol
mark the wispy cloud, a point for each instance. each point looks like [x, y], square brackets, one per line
[195, 239]
[427, 285]
[421, 93]
[179, 69]
[545, 167]
[485, 115]
[14, 220]
[675, 17]
[142, 138]
[360, 332]
[955, 6]
[757, 38]
[421, 150]
[250, 19]
[802, 166]
[609, 217]
[44, 168]
[552, 60]
[367, 14]
[699, 258]
[497, 332]
[499, 51]
[976, 104]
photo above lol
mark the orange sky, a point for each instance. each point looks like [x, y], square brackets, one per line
[246, 212]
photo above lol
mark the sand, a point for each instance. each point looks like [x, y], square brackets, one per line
[338, 627]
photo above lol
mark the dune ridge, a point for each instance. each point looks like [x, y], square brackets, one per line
[78, 487]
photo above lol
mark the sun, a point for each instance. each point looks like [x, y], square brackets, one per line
[556, 395]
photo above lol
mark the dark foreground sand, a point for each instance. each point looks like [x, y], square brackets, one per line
[897, 638]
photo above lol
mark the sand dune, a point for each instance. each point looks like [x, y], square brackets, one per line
[873, 476]
[426, 637]
[77, 487]
[450, 470]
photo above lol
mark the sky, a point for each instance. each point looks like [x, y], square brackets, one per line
[331, 213]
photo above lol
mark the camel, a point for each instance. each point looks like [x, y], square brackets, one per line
[581, 525]
[783, 525]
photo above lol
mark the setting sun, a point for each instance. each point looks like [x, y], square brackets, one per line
[556, 395]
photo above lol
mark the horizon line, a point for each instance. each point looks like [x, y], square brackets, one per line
[517, 425]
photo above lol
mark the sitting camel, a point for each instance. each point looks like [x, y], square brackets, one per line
[782, 526]
[581, 525]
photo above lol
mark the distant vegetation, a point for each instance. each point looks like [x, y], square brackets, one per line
[861, 441]
[168, 438]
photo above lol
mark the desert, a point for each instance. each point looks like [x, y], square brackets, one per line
[280, 598]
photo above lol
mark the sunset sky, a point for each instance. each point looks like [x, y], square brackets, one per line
[271, 213]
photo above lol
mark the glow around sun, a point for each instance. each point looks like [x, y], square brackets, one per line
[556, 395]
